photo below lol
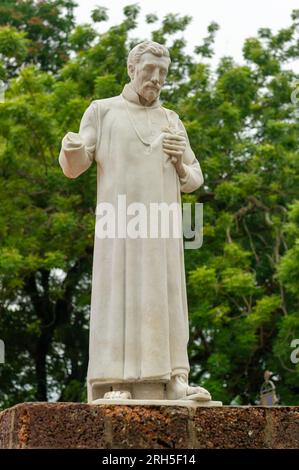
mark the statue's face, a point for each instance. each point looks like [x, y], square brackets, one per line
[149, 75]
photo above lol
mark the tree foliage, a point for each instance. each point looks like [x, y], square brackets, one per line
[47, 26]
[243, 284]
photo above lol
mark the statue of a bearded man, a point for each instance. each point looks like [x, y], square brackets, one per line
[139, 316]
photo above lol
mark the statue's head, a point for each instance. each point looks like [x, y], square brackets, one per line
[148, 64]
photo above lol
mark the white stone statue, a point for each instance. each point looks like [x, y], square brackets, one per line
[139, 317]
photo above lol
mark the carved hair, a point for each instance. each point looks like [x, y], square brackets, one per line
[146, 46]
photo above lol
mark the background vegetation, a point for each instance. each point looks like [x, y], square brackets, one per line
[243, 284]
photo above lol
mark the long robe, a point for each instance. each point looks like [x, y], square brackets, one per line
[139, 316]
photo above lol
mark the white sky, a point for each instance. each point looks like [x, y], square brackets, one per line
[238, 19]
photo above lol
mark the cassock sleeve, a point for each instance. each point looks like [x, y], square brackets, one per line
[78, 149]
[194, 177]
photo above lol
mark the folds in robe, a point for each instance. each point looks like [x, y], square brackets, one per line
[139, 316]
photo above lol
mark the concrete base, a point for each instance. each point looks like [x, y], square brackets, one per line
[141, 392]
[132, 402]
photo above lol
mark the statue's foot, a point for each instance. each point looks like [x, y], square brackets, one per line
[198, 394]
[178, 389]
[118, 395]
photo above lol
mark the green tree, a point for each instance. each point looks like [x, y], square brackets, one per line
[47, 25]
[242, 284]
[245, 129]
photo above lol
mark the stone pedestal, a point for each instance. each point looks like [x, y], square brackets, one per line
[74, 425]
[186, 403]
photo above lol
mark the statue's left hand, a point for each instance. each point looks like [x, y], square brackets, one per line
[174, 145]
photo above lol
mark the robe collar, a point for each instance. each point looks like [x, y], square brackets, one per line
[130, 95]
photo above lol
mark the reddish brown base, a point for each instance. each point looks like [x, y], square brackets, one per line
[74, 425]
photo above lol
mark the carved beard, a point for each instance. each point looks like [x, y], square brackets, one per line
[147, 91]
[150, 94]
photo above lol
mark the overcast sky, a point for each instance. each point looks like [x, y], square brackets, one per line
[238, 19]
